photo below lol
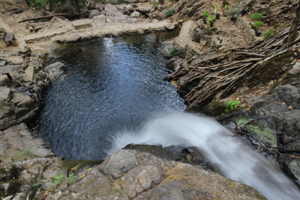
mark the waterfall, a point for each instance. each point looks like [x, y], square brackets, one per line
[236, 160]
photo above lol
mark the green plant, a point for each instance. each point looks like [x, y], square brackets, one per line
[256, 16]
[40, 4]
[270, 33]
[154, 3]
[64, 178]
[233, 12]
[173, 51]
[232, 104]
[205, 14]
[215, 9]
[36, 186]
[169, 12]
[26, 152]
[258, 24]
[211, 19]
[112, 1]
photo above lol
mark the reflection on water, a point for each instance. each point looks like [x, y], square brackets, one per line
[111, 85]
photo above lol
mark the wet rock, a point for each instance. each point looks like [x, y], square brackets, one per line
[55, 70]
[81, 24]
[260, 133]
[291, 163]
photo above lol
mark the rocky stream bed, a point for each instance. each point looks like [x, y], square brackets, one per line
[269, 115]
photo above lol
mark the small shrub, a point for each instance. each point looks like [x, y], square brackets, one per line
[211, 18]
[26, 152]
[256, 16]
[233, 13]
[205, 14]
[173, 51]
[258, 24]
[169, 12]
[232, 104]
[64, 178]
[270, 33]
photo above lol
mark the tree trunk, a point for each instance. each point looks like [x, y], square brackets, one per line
[294, 26]
[71, 6]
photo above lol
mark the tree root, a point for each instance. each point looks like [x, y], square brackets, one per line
[219, 76]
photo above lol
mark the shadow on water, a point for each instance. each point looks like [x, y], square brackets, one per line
[111, 85]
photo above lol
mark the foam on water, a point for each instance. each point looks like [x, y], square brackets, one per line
[235, 160]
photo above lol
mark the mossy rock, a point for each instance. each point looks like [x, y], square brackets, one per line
[260, 133]
[214, 108]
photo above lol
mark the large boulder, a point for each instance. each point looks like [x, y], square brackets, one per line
[133, 174]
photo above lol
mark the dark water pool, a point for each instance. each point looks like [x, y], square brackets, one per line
[111, 85]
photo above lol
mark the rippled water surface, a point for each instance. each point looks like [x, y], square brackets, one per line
[111, 85]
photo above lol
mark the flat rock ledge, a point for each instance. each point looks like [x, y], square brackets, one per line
[28, 170]
[89, 30]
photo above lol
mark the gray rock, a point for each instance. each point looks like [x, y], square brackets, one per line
[135, 14]
[51, 173]
[16, 60]
[295, 69]
[5, 94]
[55, 71]
[59, 39]
[99, 6]
[29, 74]
[118, 163]
[115, 33]
[100, 18]
[94, 13]
[82, 24]
[74, 38]
[170, 26]
[111, 10]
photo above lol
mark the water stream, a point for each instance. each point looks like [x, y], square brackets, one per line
[111, 84]
[113, 94]
[229, 153]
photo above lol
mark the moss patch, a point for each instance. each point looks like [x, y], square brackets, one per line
[262, 134]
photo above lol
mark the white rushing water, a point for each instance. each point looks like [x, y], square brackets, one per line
[234, 159]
